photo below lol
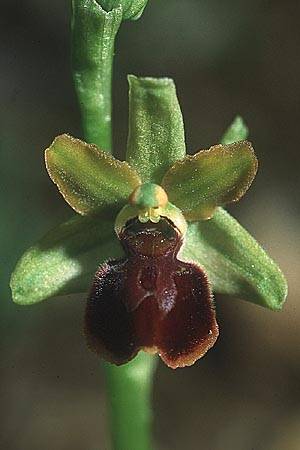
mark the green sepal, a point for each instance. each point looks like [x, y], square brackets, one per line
[132, 9]
[156, 131]
[237, 131]
[235, 263]
[65, 259]
[210, 178]
[88, 178]
[93, 36]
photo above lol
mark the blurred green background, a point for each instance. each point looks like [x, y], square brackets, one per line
[226, 58]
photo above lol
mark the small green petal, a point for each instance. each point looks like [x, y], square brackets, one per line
[87, 178]
[156, 132]
[237, 131]
[211, 178]
[235, 263]
[132, 9]
[65, 259]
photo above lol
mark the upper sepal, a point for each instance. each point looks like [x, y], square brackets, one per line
[211, 178]
[156, 130]
[88, 178]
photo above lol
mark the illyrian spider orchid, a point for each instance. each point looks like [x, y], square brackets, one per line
[152, 243]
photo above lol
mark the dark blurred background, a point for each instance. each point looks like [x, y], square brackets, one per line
[226, 58]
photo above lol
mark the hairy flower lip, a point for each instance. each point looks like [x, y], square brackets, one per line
[150, 300]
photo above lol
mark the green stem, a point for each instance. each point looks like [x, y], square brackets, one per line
[129, 391]
[93, 36]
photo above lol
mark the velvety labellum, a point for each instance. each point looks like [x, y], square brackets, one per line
[150, 300]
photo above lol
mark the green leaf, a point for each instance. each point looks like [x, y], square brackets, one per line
[88, 178]
[237, 131]
[211, 178]
[93, 36]
[234, 261]
[65, 259]
[156, 131]
[132, 9]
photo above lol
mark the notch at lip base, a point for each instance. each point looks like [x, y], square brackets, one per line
[154, 240]
[170, 212]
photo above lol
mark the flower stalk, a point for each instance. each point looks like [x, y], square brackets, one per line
[129, 390]
[93, 38]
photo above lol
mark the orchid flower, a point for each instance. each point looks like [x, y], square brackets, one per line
[151, 242]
